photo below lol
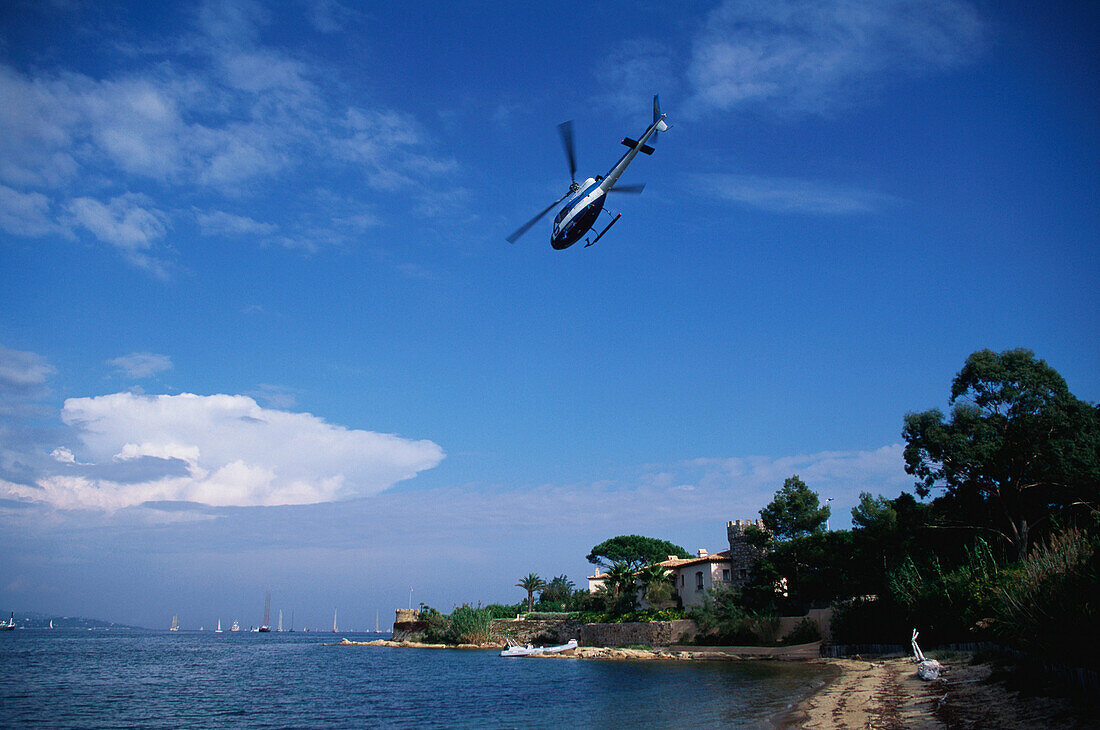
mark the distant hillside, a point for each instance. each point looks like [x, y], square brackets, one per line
[33, 620]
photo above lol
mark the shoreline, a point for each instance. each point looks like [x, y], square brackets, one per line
[883, 692]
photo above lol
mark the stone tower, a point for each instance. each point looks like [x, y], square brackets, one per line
[743, 556]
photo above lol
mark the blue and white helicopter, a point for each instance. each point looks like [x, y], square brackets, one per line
[580, 213]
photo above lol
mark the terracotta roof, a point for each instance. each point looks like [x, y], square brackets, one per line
[721, 557]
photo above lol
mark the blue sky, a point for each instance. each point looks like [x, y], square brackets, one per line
[261, 329]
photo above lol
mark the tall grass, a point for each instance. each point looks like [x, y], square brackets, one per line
[1051, 607]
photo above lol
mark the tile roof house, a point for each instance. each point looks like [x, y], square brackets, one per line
[693, 576]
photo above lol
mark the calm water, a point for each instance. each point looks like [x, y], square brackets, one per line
[75, 678]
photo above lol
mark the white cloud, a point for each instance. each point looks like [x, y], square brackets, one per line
[791, 195]
[635, 70]
[20, 371]
[223, 114]
[26, 214]
[220, 223]
[812, 55]
[220, 450]
[141, 364]
[128, 222]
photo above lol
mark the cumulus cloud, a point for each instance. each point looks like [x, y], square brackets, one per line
[219, 450]
[141, 364]
[810, 55]
[791, 195]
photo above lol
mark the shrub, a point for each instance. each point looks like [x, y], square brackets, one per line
[469, 625]
[1051, 607]
[950, 605]
[436, 633]
[497, 610]
[723, 621]
[804, 632]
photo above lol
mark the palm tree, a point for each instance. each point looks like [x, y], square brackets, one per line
[558, 590]
[657, 580]
[620, 578]
[531, 584]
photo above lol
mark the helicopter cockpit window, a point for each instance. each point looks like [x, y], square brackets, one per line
[561, 214]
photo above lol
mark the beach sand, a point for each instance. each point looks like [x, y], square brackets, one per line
[887, 694]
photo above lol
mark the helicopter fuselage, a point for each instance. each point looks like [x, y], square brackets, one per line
[579, 214]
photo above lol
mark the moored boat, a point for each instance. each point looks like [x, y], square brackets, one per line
[515, 649]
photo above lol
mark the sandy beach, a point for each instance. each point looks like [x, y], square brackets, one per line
[887, 694]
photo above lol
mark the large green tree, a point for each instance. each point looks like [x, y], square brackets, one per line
[634, 550]
[795, 511]
[1017, 451]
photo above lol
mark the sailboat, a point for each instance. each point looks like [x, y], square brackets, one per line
[266, 626]
[219, 629]
[280, 629]
[175, 623]
[334, 620]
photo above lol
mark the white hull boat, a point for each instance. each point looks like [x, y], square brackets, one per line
[517, 650]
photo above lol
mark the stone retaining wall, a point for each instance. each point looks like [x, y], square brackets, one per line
[559, 631]
[655, 633]
[535, 631]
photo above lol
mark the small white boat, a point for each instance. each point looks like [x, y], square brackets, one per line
[219, 629]
[235, 627]
[10, 625]
[529, 650]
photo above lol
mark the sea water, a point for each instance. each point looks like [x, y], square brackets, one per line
[94, 679]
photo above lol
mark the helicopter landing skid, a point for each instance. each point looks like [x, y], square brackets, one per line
[605, 230]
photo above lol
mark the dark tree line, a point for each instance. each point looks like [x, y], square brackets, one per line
[1000, 540]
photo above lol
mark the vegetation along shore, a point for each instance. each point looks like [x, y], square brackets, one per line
[996, 549]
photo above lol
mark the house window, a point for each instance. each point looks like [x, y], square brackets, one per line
[699, 580]
[744, 573]
[681, 580]
[725, 574]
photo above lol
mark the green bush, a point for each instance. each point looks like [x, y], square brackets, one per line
[804, 632]
[497, 610]
[469, 625]
[436, 633]
[950, 605]
[723, 620]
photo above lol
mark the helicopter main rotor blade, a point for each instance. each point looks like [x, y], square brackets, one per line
[526, 226]
[566, 129]
[628, 188]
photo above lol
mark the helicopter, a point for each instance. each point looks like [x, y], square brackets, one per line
[580, 213]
